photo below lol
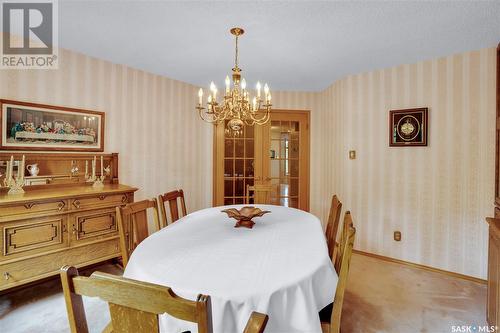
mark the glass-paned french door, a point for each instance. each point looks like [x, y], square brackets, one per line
[275, 154]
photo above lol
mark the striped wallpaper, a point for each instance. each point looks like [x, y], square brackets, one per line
[437, 196]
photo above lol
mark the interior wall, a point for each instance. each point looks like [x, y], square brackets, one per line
[150, 121]
[437, 196]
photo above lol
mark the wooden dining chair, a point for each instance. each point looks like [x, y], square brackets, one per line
[261, 194]
[134, 305]
[339, 249]
[333, 224]
[172, 197]
[133, 225]
[331, 315]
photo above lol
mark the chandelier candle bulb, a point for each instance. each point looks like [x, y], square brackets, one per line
[228, 84]
[200, 96]
[243, 84]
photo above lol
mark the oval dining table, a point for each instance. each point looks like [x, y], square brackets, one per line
[279, 267]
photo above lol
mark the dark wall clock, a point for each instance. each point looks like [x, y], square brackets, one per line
[408, 127]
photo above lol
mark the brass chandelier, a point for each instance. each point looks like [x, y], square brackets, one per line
[236, 106]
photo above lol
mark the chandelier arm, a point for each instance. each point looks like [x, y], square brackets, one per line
[262, 120]
[214, 119]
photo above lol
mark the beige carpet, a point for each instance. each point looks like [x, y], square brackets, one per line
[381, 297]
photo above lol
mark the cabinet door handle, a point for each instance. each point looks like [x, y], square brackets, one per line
[76, 203]
[6, 275]
[60, 206]
[74, 230]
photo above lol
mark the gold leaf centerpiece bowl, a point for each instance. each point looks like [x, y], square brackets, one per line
[245, 215]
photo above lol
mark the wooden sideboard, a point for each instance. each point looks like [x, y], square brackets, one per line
[493, 309]
[46, 228]
[493, 303]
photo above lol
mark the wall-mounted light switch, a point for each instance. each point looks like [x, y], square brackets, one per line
[352, 154]
[397, 236]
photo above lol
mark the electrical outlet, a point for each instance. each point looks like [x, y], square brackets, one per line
[397, 236]
[352, 154]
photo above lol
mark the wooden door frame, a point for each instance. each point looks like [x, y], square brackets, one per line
[217, 150]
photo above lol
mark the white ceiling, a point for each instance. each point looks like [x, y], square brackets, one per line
[300, 45]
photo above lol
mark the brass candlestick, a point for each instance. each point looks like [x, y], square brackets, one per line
[16, 184]
[98, 181]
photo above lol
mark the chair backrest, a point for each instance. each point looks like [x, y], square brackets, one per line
[339, 250]
[257, 323]
[134, 305]
[172, 198]
[333, 224]
[133, 225]
[348, 243]
[261, 194]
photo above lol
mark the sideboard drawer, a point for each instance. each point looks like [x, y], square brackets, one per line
[34, 207]
[101, 201]
[31, 236]
[94, 224]
[35, 268]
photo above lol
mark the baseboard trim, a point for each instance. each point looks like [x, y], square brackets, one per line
[427, 268]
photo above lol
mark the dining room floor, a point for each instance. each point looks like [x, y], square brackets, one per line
[381, 296]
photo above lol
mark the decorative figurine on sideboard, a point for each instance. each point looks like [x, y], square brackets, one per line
[74, 169]
[97, 180]
[33, 169]
[15, 184]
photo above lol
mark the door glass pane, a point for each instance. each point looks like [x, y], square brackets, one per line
[228, 201]
[294, 130]
[275, 169]
[228, 188]
[275, 149]
[249, 150]
[294, 149]
[228, 168]
[275, 130]
[238, 189]
[239, 167]
[239, 148]
[294, 168]
[249, 168]
[294, 202]
[294, 187]
[229, 148]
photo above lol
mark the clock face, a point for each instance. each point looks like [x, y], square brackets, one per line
[408, 127]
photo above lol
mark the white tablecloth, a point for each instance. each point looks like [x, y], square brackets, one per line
[280, 267]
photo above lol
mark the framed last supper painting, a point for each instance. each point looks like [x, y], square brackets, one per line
[408, 127]
[30, 126]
